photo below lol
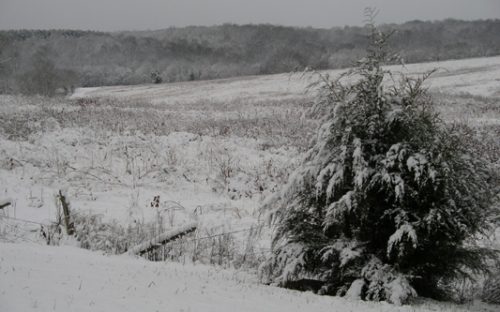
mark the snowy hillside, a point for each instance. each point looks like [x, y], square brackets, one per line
[136, 161]
[477, 76]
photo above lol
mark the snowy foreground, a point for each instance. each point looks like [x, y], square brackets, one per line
[42, 278]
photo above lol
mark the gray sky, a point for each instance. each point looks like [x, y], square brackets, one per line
[157, 14]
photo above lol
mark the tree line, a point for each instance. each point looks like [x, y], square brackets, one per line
[44, 61]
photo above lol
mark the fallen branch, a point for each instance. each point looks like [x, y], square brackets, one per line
[5, 202]
[162, 239]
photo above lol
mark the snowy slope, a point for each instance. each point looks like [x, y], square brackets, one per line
[477, 76]
[41, 278]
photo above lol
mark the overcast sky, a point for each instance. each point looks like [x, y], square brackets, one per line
[157, 14]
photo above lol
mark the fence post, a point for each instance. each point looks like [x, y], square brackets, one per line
[70, 227]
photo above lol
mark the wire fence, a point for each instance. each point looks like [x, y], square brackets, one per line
[257, 228]
[241, 230]
[14, 229]
[23, 220]
[224, 248]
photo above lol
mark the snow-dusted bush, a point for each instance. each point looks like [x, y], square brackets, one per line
[94, 234]
[156, 77]
[389, 199]
[111, 237]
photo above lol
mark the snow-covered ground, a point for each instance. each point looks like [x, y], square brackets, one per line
[41, 278]
[211, 150]
[222, 145]
[476, 76]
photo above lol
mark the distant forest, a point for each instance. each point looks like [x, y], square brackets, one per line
[39, 61]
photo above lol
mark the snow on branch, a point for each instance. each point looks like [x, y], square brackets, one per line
[5, 202]
[162, 239]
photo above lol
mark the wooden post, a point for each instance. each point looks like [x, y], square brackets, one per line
[70, 227]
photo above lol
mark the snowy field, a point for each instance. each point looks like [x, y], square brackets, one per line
[212, 151]
[36, 278]
[477, 76]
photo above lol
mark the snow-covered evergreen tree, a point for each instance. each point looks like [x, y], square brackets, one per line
[389, 199]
